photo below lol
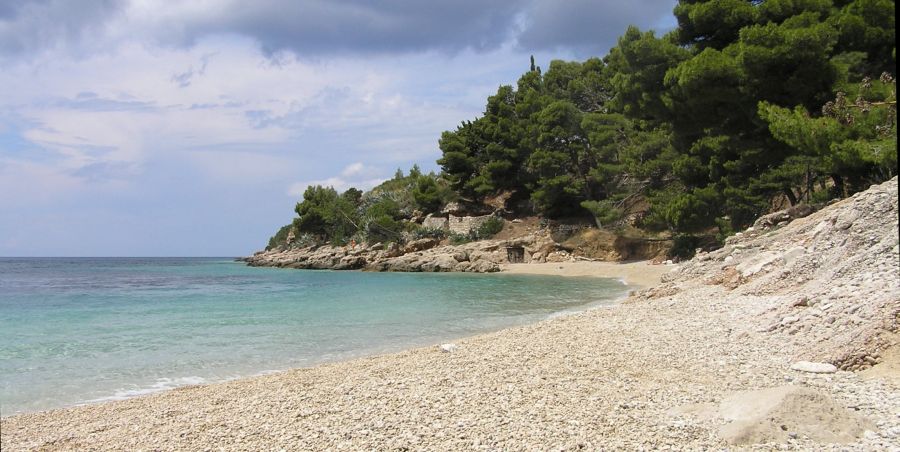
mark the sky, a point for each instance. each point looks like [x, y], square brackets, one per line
[172, 128]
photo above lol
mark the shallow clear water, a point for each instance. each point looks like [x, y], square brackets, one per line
[76, 330]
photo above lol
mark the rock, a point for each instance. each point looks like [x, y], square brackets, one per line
[448, 348]
[440, 263]
[435, 222]
[816, 368]
[789, 319]
[783, 217]
[755, 265]
[454, 208]
[460, 256]
[392, 250]
[484, 266]
[420, 245]
[791, 255]
[350, 263]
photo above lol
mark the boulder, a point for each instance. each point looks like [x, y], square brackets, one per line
[420, 245]
[815, 368]
[453, 208]
[484, 266]
[782, 217]
[392, 250]
[439, 263]
[350, 263]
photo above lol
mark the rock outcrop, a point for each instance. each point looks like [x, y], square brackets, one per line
[423, 255]
[829, 278]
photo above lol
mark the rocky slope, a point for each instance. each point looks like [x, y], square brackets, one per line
[423, 255]
[829, 280]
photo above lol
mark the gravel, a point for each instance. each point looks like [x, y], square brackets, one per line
[608, 378]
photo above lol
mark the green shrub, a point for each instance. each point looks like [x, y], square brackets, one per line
[279, 240]
[489, 228]
[429, 233]
[604, 212]
[725, 229]
[684, 246]
[459, 239]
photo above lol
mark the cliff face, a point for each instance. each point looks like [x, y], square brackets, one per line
[830, 280]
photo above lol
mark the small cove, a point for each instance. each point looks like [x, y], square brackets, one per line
[76, 330]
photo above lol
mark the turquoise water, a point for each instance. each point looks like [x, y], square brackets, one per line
[90, 329]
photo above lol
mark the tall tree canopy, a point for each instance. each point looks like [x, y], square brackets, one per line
[745, 104]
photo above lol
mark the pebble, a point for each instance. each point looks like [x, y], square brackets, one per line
[816, 368]
[522, 388]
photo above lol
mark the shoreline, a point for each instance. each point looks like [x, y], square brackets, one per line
[755, 345]
[612, 270]
[641, 274]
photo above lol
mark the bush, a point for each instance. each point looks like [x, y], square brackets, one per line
[725, 229]
[684, 246]
[279, 240]
[428, 233]
[604, 212]
[383, 228]
[459, 239]
[489, 228]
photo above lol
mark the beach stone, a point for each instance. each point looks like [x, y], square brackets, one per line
[421, 244]
[440, 263]
[816, 368]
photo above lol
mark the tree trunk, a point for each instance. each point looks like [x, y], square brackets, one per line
[790, 196]
[839, 185]
[809, 184]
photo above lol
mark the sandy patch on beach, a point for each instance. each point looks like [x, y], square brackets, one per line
[641, 273]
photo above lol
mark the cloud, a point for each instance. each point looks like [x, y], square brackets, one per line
[356, 175]
[176, 121]
[588, 27]
[32, 26]
[325, 28]
[317, 27]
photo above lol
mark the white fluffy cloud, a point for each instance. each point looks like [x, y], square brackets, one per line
[147, 112]
[356, 175]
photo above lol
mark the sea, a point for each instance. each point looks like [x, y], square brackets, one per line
[87, 330]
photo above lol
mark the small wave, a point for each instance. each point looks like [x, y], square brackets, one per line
[599, 304]
[162, 384]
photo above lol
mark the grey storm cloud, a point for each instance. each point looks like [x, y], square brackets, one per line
[32, 25]
[317, 27]
[324, 27]
[589, 26]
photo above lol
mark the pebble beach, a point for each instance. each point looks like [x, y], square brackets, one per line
[710, 358]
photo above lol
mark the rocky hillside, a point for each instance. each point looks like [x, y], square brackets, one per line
[830, 281]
